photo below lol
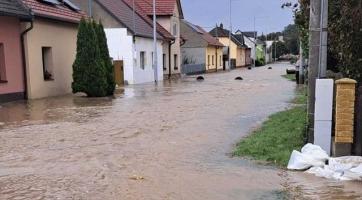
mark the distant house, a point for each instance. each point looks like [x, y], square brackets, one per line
[12, 75]
[169, 13]
[237, 49]
[201, 51]
[249, 41]
[129, 34]
[50, 47]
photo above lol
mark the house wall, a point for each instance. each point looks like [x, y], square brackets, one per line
[121, 47]
[194, 55]
[10, 39]
[98, 13]
[167, 23]
[233, 46]
[147, 74]
[240, 60]
[248, 57]
[62, 38]
[216, 52]
[249, 42]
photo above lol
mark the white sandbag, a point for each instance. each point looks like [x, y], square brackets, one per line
[321, 172]
[315, 151]
[357, 170]
[300, 161]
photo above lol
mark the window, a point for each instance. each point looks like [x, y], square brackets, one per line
[164, 62]
[175, 67]
[212, 59]
[2, 64]
[208, 60]
[47, 59]
[142, 59]
[174, 29]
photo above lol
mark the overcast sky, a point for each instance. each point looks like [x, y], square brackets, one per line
[270, 17]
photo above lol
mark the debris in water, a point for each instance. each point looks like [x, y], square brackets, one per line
[249, 68]
[239, 78]
[200, 78]
[136, 178]
[270, 68]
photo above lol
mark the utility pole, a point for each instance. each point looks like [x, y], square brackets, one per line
[301, 65]
[322, 72]
[229, 62]
[314, 61]
[90, 8]
[155, 42]
[254, 43]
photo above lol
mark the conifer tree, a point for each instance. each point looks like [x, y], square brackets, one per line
[89, 73]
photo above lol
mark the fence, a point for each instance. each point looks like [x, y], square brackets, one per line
[191, 69]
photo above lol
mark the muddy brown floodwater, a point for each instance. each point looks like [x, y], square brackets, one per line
[171, 141]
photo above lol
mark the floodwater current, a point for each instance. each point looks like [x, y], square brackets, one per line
[170, 141]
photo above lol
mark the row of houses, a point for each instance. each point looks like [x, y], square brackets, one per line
[38, 44]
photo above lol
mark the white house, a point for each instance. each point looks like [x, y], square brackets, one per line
[137, 56]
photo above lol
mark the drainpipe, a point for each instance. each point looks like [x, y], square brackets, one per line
[216, 56]
[169, 58]
[23, 58]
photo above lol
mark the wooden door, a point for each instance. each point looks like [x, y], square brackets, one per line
[118, 72]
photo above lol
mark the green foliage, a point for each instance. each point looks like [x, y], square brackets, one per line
[344, 35]
[281, 49]
[291, 38]
[278, 136]
[89, 68]
[259, 62]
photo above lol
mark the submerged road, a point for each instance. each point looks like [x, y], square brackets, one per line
[171, 141]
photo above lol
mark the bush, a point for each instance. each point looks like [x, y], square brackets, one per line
[91, 67]
[260, 62]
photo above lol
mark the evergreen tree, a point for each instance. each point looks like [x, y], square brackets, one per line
[89, 73]
[103, 48]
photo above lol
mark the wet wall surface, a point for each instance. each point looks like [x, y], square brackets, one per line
[170, 141]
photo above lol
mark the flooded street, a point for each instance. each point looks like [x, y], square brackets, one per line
[171, 141]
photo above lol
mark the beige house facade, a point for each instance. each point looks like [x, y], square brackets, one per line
[50, 47]
[50, 50]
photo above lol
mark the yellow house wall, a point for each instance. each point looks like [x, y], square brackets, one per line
[233, 46]
[212, 52]
[240, 60]
[62, 38]
[167, 22]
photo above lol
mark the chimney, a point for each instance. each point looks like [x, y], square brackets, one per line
[222, 26]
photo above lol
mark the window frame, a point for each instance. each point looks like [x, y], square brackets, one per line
[3, 78]
[175, 61]
[142, 59]
[164, 62]
[47, 63]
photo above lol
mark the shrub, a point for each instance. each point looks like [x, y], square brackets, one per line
[89, 72]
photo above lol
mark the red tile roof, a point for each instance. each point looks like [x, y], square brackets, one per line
[59, 12]
[160, 30]
[163, 7]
